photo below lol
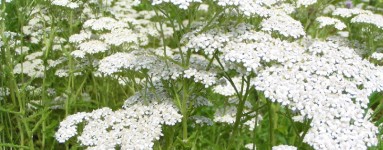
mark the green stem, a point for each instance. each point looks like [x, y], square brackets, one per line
[240, 108]
[256, 118]
[272, 123]
[184, 111]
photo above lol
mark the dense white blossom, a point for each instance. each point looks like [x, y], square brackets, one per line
[81, 37]
[208, 41]
[284, 25]
[183, 4]
[21, 50]
[347, 13]
[65, 3]
[243, 45]
[120, 36]
[157, 68]
[104, 23]
[129, 61]
[327, 21]
[204, 77]
[323, 85]
[326, 82]
[78, 54]
[373, 19]
[36, 26]
[306, 3]
[134, 127]
[250, 146]
[93, 47]
[377, 56]
[68, 127]
[33, 68]
[284, 147]
[318, 79]
[263, 8]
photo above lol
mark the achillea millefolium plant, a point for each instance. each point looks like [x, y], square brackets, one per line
[191, 74]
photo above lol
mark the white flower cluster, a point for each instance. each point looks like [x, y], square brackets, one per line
[127, 28]
[377, 56]
[183, 4]
[263, 8]
[306, 3]
[68, 127]
[103, 23]
[116, 37]
[134, 127]
[79, 38]
[243, 45]
[37, 27]
[250, 146]
[21, 50]
[284, 147]
[65, 3]
[158, 68]
[284, 25]
[209, 41]
[204, 77]
[117, 61]
[119, 36]
[257, 48]
[33, 66]
[325, 84]
[320, 80]
[328, 21]
[373, 19]
[347, 13]
[93, 47]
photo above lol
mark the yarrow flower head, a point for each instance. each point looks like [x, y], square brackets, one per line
[103, 23]
[65, 3]
[284, 25]
[93, 47]
[136, 126]
[306, 3]
[327, 21]
[183, 4]
[347, 13]
[373, 19]
[377, 56]
[284, 147]
[320, 85]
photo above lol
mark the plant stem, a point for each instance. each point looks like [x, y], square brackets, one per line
[256, 117]
[184, 111]
[272, 124]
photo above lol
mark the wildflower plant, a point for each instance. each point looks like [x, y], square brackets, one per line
[191, 74]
